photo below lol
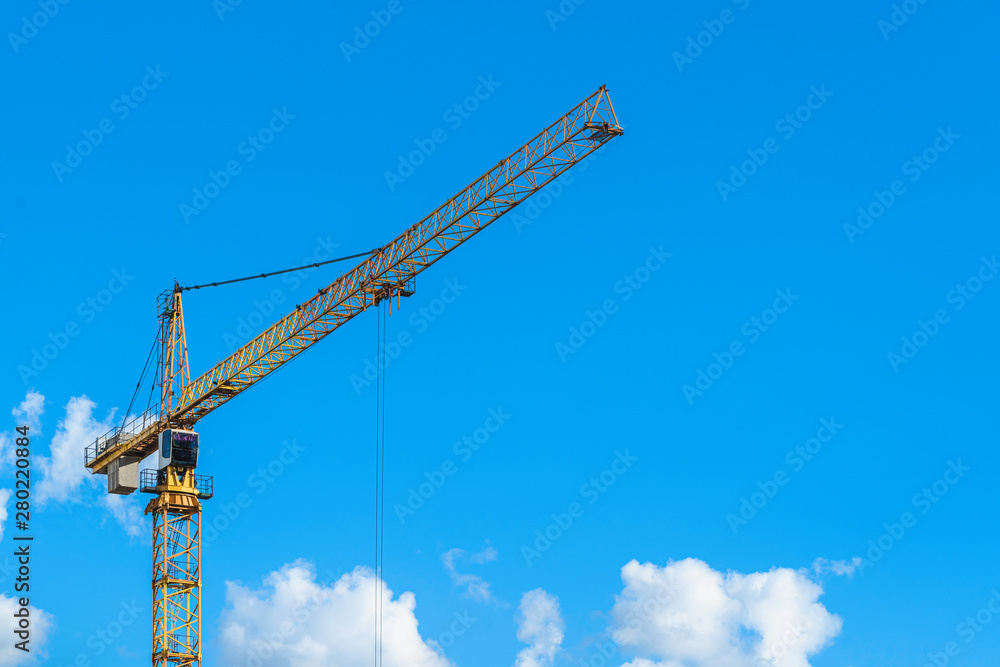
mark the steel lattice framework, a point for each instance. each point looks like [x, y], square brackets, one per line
[176, 579]
[389, 271]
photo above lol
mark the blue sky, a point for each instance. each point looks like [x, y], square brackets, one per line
[813, 185]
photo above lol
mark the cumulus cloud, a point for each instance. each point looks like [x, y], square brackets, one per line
[476, 587]
[41, 628]
[688, 615]
[293, 620]
[63, 471]
[541, 626]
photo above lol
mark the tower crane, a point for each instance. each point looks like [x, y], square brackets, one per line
[167, 430]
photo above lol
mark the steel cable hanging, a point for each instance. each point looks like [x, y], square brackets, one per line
[381, 630]
[378, 381]
[380, 335]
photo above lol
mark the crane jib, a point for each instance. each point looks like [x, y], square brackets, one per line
[388, 271]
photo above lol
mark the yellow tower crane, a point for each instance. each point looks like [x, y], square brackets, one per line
[167, 430]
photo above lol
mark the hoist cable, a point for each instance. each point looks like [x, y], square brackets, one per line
[378, 380]
[381, 631]
[379, 480]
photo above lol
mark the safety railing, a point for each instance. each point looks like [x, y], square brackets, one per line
[120, 434]
[150, 479]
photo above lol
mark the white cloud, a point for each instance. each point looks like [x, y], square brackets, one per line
[63, 471]
[840, 568]
[41, 627]
[296, 621]
[688, 614]
[127, 511]
[29, 412]
[7, 450]
[541, 626]
[477, 588]
[4, 499]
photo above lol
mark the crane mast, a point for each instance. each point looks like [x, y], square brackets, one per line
[390, 271]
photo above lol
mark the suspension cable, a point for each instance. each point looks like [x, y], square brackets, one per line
[152, 385]
[275, 273]
[142, 376]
